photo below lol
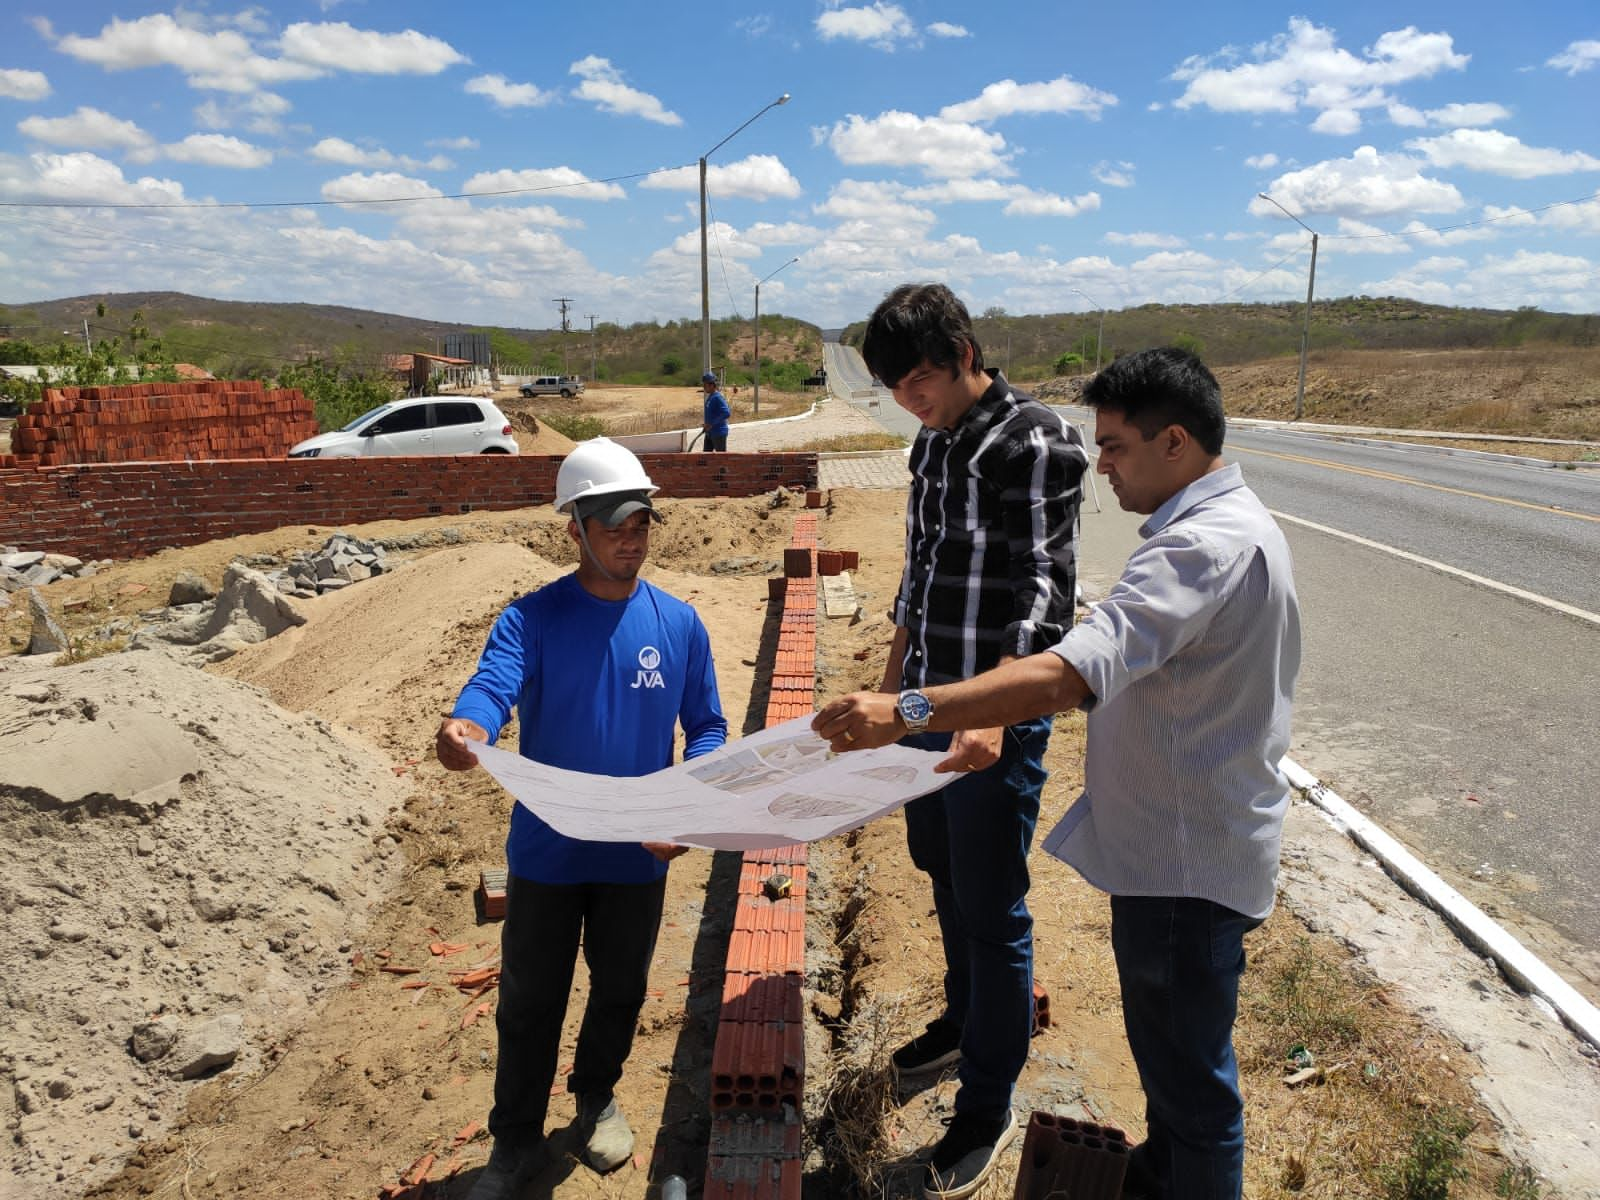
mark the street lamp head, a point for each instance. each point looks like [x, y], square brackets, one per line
[783, 99]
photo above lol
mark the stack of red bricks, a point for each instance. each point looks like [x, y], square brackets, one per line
[156, 422]
[758, 1064]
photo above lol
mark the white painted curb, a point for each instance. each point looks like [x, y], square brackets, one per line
[1475, 926]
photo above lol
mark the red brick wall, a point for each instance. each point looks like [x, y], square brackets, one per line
[127, 510]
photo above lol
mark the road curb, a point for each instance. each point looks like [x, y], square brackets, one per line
[1471, 923]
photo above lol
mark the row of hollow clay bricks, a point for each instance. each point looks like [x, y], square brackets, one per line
[758, 1064]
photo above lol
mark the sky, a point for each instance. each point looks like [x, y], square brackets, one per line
[475, 162]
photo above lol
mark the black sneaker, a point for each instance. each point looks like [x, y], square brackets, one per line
[967, 1155]
[511, 1167]
[938, 1046]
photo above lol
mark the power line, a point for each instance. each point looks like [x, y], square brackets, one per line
[1292, 254]
[522, 191]
[1520, 212]
[721, 262]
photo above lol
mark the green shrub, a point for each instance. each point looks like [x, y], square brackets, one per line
[338, 395]
[1433, 1160]
[578, 427]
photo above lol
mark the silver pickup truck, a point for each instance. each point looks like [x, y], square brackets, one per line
[554, 385]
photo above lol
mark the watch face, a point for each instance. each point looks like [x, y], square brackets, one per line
[914, 707]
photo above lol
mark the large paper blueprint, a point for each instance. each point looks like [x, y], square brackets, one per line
[776, 787]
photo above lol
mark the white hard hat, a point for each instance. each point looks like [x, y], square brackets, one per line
[599, 467]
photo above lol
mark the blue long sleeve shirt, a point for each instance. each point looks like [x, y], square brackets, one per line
[599, 686]
[717, 413]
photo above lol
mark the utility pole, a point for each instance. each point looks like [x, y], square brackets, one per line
[790, 263]
[594, 371]
[1311, 285]
[1099, 336]
[88, 346]
[566, 327]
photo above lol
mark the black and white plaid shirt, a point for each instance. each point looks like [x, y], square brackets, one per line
[990, 568]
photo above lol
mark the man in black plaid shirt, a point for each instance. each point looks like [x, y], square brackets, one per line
[989, 576]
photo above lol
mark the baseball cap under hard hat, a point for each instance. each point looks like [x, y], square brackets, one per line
[614, 508]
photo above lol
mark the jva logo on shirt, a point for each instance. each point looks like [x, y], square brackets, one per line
[648, 676]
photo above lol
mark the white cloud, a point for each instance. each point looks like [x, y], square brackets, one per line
[1421, 235]
[756, 25]
[1457, 115]
[1145, 241]
[80, 177]
[560, 182]
[380, 185]
[1367, 239]
[257, 111]
[602, 86]
[1262, 162]
[1500, 154]
[1578, 56]
[1031, 203]
[454, 143]
[944, 29]
[1340, 122]
[1113, 174]
[1019, 200]
[859, 199]
[1002, 99]
[337, 150]
[17, 84]
[219, 61]
[758, 177]
[1405, 115]
[506, 94]
[940, 147]
[878, 24]
[212, 150]
[339, 46]
[86, 127]
[1306, 68]
[1367, 184]
[789, 233]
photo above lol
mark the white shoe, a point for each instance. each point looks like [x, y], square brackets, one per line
[610, 1141]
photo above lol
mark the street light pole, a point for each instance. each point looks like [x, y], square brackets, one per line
[705, 266]
[1311, 284]
[790, 263]
[1100, 336]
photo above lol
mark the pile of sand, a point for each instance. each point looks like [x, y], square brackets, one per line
[180, 859]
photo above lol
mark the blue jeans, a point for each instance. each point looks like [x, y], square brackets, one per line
[972, 838]
[1179, 960]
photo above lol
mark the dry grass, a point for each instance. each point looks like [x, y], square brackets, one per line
[1560, 453]
[852, 443]
[1545, 392]
[1390, 1112]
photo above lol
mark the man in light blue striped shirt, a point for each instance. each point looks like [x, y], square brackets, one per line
[1187, 671]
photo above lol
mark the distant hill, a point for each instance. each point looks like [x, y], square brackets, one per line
[1228, 334]
[234, 338]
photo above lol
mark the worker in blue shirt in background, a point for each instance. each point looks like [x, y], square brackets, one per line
[717, 412]
[601, 667]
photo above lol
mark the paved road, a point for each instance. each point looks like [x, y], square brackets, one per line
[1461, 718]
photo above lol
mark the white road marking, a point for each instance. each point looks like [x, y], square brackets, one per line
[1582, 614]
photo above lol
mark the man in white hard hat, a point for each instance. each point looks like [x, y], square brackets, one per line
[601, 667]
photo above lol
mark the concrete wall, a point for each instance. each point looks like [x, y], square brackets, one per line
[127, 510]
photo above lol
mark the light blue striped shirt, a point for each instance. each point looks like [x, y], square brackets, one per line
[1192, 661]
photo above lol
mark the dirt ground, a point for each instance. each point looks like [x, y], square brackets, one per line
[352, 1084]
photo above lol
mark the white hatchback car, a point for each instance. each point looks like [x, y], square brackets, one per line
[423, 425]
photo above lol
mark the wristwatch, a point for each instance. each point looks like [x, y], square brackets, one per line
[915, 710]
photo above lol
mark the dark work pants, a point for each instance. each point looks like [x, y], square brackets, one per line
[717, 441]
[1179, 961]
[972, 839]
[617, 925]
